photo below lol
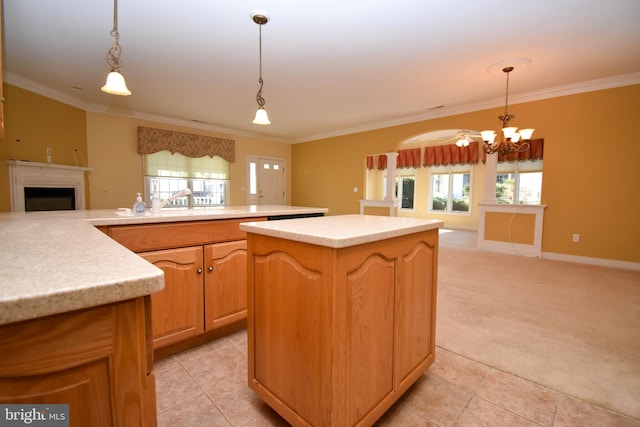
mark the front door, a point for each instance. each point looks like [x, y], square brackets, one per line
[266, 181]
[270, 182]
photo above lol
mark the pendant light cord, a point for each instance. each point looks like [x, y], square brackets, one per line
[506, 117]
[259, 98]
[113, 54]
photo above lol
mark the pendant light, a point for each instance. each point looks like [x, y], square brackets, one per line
[261, 118]
[115, 84]
[511, 139]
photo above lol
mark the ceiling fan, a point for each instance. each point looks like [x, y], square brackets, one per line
[464, 137]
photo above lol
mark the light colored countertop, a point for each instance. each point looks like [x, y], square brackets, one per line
[342, 230]
[55, 262]
[121, 217]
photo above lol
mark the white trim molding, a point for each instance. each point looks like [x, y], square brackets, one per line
[390, 204]
[600, 262]
[533, 250]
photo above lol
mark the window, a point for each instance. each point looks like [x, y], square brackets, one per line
[450, 189]
[253, 178]
[206, 177]
[519, 183]
[405, 185]
[404, 188]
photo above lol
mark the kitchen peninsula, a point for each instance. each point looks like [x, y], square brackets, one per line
[75, 312]
[341, 314]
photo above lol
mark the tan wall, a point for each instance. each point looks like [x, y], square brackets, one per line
[106, 143]
[33, 123]
[117, 166]
[590, 172]
[590, 164]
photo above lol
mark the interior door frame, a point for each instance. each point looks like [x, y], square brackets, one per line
[253, 199]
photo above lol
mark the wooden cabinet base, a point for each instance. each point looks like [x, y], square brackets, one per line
[98, 360]
[336, 336]
[205, 278]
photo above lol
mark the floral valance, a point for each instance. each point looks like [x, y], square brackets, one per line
[153, 140]
[535, 152]
[451, 154]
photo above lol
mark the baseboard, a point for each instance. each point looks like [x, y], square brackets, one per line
[509, 248]
[602, 262]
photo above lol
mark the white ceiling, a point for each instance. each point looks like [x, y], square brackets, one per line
[329, 66]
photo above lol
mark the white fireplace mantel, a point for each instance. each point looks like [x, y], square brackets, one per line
[31, 174]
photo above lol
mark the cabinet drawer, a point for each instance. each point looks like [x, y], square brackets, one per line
[148, 237]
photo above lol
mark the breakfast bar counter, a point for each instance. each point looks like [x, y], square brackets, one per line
[341, 314]
[55, 262]
[76, 315]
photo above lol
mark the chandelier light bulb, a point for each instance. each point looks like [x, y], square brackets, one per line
[526, 133]
[488, 136]
[508, 132]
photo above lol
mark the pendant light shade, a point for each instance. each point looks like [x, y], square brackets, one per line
[115, 84]
[261, 117]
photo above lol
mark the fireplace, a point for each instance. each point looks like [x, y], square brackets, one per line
[45, 186]
[49, 199]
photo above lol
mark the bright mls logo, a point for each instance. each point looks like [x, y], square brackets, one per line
[36, 415]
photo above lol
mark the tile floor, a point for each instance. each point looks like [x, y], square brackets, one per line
[207, 386]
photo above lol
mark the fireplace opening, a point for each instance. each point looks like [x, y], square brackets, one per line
[49, 199]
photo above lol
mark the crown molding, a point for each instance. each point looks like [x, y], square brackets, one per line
[47, 92]
[554, 92]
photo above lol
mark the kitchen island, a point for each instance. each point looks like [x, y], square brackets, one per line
[75, 312]
[341, 314]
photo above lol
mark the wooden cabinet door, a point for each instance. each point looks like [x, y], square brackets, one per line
[177, 310]
[94, 360]
[415, 308]
[225, 286]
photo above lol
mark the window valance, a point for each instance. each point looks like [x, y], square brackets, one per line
[370, 162]
[408, 158]
[451, 154]
[153, 140]
[535, 152]
[382, 161]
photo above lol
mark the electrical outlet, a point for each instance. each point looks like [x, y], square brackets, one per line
[355, 189]
[48, 154]
[575, 238]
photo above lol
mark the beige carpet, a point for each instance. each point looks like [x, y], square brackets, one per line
[571, 327]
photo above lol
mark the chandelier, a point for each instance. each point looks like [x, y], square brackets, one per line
[261, 118]
[511, 139]
[115, 84]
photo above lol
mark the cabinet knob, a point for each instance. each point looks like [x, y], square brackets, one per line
[199, 270]
[210, 268]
